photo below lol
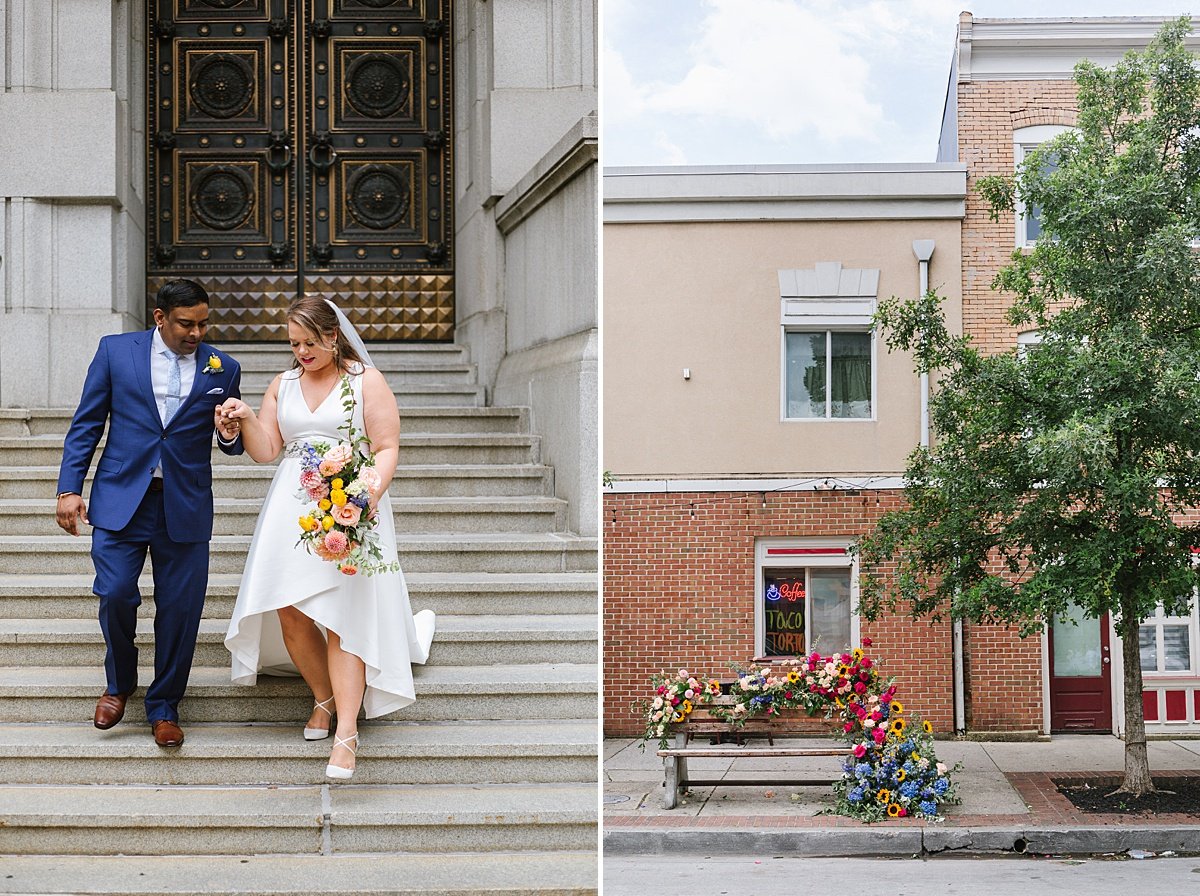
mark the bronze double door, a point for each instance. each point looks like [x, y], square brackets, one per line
[303, 147]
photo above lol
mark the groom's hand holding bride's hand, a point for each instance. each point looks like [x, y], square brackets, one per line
[228, 418]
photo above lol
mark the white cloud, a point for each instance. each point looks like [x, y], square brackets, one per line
[777, 66]
[671, 154]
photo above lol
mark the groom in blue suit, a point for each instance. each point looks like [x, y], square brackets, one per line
[157, 391]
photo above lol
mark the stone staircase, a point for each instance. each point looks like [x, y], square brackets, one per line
[487, 784]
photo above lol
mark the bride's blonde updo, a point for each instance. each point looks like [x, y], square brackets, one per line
[315, 315]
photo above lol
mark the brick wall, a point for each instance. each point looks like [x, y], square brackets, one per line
[679, 592]
[988, 113]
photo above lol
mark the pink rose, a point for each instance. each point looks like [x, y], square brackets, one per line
[880, 735]
[336, 543]
[347, 515]
[340, 455]
[866, 642]
[859, 750]
[369, 477]
[858, 688]
[848, 727]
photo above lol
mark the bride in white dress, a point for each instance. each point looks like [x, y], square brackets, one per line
[289, 596]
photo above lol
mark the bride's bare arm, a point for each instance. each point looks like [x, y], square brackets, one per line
[382, 421]
[260, 433]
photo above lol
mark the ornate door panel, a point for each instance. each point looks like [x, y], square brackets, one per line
[303, 147]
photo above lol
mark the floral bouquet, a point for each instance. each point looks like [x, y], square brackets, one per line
[897, 778]
[892, 770]
[674, 699]
[339, 479]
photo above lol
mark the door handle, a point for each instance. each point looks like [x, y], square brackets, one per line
[321, 144]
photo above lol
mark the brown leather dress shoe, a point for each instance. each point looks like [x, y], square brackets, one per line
[167, 733]
[110, 709]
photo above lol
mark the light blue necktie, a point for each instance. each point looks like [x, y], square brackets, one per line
[174, 384]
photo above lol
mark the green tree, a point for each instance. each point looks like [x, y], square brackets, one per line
[1061, 472]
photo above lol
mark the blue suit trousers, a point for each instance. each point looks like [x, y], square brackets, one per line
[180, 584]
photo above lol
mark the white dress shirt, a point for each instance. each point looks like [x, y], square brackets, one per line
[160, 372]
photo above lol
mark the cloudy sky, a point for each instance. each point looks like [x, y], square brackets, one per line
[710, 82]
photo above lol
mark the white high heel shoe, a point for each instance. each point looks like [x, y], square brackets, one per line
[336, 772]
[320, 733]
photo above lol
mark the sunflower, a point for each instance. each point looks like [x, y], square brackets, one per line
[714, 687]
[894, 810]
[884, 795]
[897, 707]
[677, 717]
[900, 775]
[898, 725]
[793, 676]
[686, 707]
[928, 728]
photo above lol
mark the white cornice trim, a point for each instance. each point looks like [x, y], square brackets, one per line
[1047, 49]
[830, 483]
[780, 192]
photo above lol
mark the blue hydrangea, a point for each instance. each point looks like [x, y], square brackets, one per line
[909, 789]
[928, 807]
[862, 770]
[940, 786]
[855, 795]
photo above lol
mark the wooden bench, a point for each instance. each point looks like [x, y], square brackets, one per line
[702, 722]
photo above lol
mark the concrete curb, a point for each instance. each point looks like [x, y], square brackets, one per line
[865, 841]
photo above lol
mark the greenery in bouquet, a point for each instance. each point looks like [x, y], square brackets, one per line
[340, 527]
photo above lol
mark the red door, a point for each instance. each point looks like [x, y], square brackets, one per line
[1080, 674]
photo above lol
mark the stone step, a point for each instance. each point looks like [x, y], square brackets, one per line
[41, 596]
[415, 448]
[409, 395]
[492, 552]
[234, 480]
[523, 692]
[56, 421]
[277, 356]
[461, 640]
[259, 374]
[558, 751]
[237, 516]
[540, 873]
[356, 818]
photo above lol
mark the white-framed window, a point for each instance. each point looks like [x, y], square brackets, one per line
[828, 374]
[1168, 643]
[1025, 141]
[806, 596]
[827, 350]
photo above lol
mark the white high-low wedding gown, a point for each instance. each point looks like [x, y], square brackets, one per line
[371, 614]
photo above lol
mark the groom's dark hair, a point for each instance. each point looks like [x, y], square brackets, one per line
[179, 294]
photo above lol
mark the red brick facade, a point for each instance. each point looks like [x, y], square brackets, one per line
[679, 585]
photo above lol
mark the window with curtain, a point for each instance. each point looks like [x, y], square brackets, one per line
[1166, 642]
[828, 375]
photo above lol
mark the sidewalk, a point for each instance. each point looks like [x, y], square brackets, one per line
[1009, 804]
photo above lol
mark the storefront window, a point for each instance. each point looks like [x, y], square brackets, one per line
[806, 600]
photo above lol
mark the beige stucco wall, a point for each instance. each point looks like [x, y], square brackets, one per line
[705, 296]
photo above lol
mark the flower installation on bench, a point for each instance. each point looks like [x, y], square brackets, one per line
[891, 770]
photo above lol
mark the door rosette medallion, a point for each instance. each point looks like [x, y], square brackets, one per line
[378, 196]
[222, 85]
[222, 196]
[377, 84]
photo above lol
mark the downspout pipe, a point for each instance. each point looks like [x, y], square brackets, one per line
[923, 250]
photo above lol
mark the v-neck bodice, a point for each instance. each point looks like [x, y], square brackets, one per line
[298, 423]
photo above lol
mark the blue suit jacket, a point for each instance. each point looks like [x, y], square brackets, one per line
[118, 390]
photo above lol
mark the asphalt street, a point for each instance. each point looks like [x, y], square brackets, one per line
[950, 876]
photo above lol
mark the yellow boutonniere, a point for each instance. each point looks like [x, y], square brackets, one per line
[214, 365]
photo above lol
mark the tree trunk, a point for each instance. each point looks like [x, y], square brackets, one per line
[1137, 761]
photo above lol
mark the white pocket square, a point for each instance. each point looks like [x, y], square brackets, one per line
[217, 391]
